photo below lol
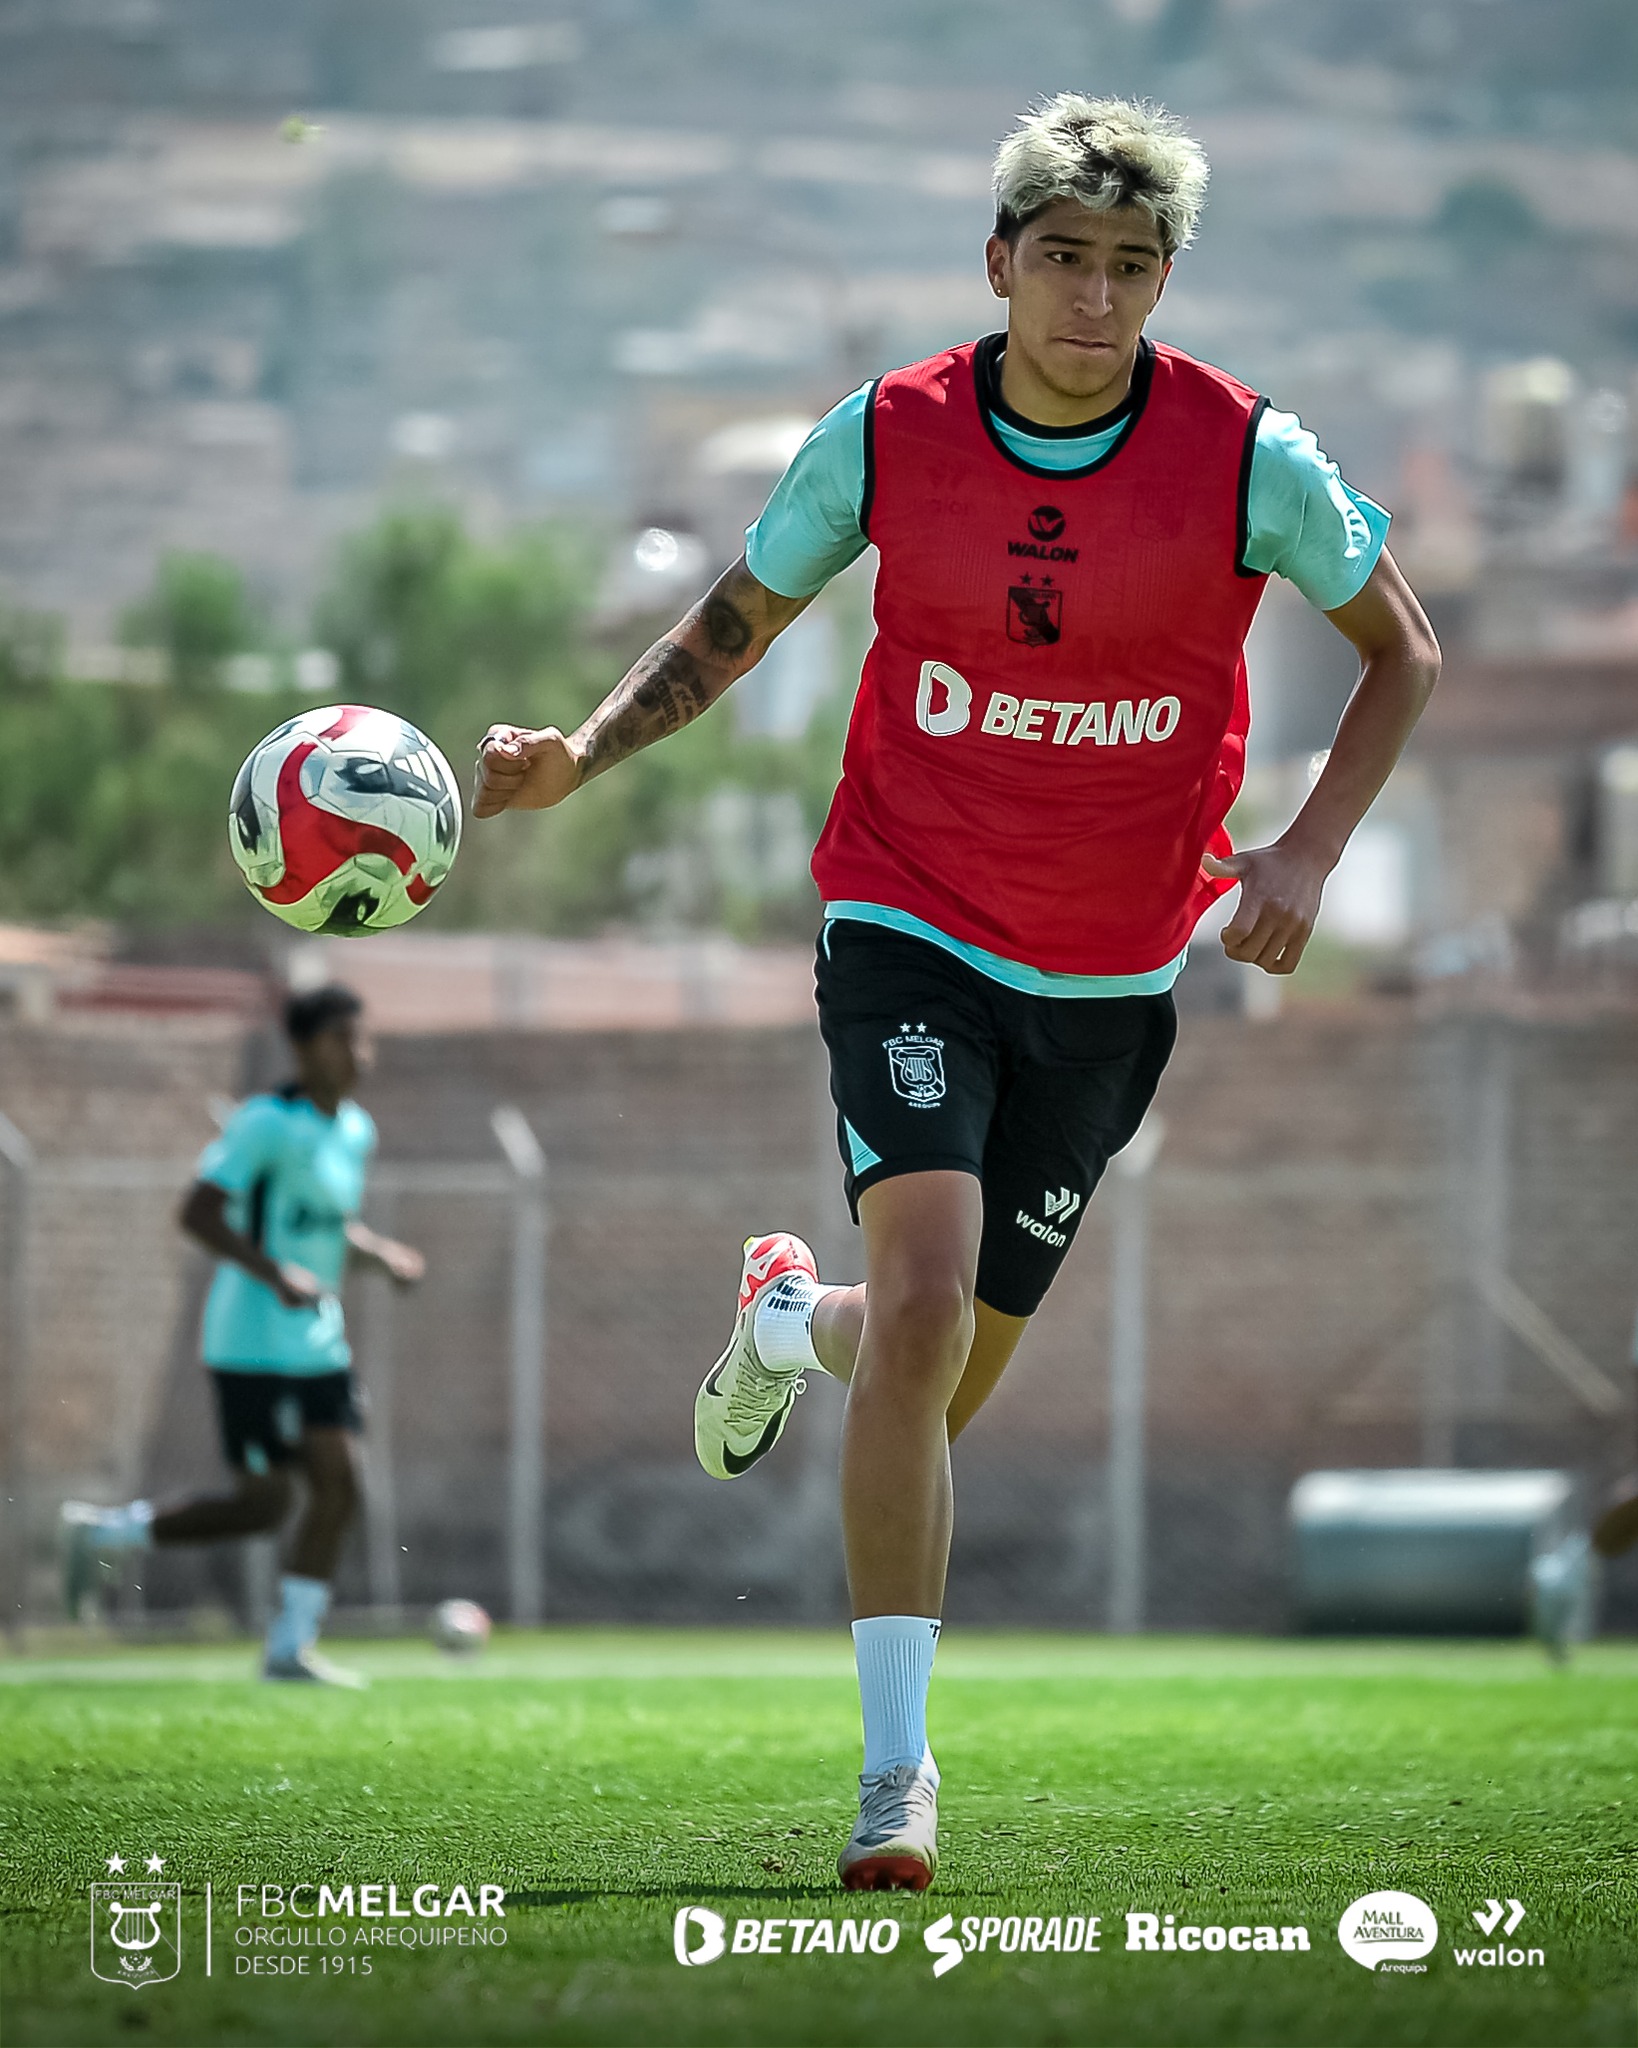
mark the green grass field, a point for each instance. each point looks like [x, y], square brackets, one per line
[606, 1779]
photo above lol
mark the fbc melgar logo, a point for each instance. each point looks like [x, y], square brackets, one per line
[136, 1932]
[1389, 1931]
[700, 1936]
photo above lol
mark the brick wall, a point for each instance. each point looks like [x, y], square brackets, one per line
[1330, 1183]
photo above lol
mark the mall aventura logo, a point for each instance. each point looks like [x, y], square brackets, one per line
[1389, 1931]
[136, 1927]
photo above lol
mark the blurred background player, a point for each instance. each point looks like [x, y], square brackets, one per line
[1616, 1529]
[1074, 527]
[276, 1201]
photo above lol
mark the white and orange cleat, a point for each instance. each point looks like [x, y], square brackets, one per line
[894, 1844]
[744, 1402]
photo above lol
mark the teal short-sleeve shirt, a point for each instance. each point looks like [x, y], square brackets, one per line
[294, 1179]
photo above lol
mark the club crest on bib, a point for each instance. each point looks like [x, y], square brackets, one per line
[1035, 613]
[916, 1062]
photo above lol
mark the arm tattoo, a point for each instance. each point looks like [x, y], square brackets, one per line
[670, 685]
[663, 692]
[729, 629]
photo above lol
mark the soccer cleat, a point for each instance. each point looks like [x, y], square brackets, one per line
[307, 1667]
[743, 1405]
[894, 1844]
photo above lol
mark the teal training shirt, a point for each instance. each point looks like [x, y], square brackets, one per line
[1304, 522]
[294, 1179]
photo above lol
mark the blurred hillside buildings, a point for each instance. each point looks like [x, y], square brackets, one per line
[606, 261]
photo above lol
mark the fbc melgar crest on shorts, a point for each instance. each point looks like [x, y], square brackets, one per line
[1050, 727]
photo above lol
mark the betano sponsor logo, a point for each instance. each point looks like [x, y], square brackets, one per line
[1071, 724]
[944, 707]
[699, 1936]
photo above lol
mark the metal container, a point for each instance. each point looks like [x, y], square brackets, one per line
[1424, 1552]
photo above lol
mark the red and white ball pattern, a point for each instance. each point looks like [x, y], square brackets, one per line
[345, 820]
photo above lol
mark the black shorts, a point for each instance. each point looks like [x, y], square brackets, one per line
[934, 1065]
[263, 1414]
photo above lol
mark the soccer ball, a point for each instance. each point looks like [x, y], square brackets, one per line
[461, 1627]
[345, 820]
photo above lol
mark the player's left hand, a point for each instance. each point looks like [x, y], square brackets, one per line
[402, 1263]
[1279, 899]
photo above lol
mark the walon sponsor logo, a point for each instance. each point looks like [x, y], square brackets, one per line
[1489, 1919]
[1045, 523]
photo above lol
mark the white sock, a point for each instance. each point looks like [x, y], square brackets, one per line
[782, 1327]
[894, 1653]
[296, 1625]
[126, 1528]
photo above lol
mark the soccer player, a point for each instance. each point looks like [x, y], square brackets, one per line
[1074, 525]
[276, 1201]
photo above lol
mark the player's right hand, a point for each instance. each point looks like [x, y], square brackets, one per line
[296, 1287]
[520, 770]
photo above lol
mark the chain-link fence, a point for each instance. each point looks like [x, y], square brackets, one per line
[1367, 1238]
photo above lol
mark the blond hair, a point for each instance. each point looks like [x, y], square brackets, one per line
[1103, 153]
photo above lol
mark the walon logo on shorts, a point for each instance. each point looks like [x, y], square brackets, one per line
[916, 1063]
[1061, 1206]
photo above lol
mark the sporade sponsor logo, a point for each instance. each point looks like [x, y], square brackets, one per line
[1025, 1934]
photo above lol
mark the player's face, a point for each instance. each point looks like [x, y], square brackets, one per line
[332, 1060]
[1079, 285]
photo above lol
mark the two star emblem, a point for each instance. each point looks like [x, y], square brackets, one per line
[116, 1865]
